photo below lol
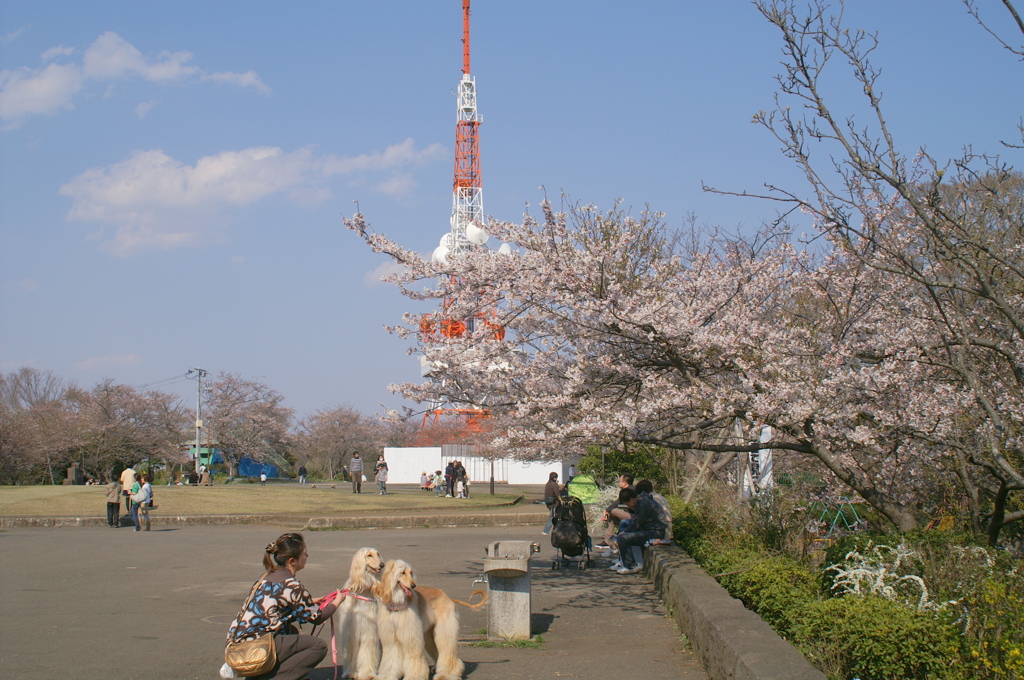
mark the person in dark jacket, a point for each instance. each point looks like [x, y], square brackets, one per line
[649, 522]
[449, 480]
[551, 490]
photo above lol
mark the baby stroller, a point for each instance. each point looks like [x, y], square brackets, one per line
[569, 534]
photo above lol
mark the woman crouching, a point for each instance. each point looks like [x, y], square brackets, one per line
[279, 602]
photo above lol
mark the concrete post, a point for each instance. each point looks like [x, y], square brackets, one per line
[507, 566]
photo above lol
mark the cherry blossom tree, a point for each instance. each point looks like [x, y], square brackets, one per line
[120, 425]
[951, 231]
[38, 430]
[328, 438]
[246, 418]
[890, 354]
[47, 425]
[611, 341]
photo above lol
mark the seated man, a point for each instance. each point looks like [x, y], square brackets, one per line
[649, 521]
[646, 486]
[615, 513]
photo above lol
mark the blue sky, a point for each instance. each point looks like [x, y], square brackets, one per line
[172, 175]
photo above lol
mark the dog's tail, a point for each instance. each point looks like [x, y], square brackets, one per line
[474, 607]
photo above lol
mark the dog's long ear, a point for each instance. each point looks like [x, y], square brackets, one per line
[380, 561]
[355, 570]
[382, 589]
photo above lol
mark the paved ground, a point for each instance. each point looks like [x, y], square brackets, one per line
[120, 605]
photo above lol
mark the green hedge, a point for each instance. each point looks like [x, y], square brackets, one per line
[860, 637]
[875, 639]
[774, 586]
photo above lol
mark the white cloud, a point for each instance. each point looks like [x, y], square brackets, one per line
[55, 52]
[237, 259]
[397, 185]
[26, 92]
[143, 108]
[247, 79]
[11, 37]
[404, 153]
[112, 57]
[155, 201]
[373, 278]
[108, 362]
[33, 91]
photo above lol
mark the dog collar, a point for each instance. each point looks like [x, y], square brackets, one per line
[396, 607]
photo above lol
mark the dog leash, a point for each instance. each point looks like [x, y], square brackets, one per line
[334, 638]
[349, 593]
[334, 648]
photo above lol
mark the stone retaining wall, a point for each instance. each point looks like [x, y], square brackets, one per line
[731, 641]
[307, 523]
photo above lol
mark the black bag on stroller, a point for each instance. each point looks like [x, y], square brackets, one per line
[569, 534]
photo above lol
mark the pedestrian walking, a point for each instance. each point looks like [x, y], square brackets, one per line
[355, 467]
[302, 474]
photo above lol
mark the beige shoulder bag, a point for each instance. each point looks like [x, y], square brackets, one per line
[252, 657]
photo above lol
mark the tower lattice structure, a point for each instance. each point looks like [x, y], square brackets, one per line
[467, 187]
[466, 232]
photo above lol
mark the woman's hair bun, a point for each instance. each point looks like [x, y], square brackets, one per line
[272, 549]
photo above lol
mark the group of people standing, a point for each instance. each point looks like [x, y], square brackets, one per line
[452, 483]
[137, 493]
[456, 480]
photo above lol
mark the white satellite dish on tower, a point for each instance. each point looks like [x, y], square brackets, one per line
[440, 255]
[505, 249]
[476, 235]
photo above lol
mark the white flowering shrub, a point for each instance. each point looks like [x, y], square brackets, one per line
[896, 573]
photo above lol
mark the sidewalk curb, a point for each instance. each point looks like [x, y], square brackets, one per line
[731, 641]
[307, 523]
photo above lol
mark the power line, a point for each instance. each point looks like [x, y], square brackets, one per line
[165, 382]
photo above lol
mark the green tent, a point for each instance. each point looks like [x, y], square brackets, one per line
[585, 488]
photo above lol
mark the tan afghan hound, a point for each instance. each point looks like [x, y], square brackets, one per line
[359, 642]
[414, 622]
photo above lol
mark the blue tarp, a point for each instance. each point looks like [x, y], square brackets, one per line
[247, 467]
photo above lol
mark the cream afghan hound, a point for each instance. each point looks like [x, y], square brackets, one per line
[359, 643]
[414, 622]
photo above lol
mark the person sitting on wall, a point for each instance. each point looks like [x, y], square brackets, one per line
[615, 513]
[649, 522]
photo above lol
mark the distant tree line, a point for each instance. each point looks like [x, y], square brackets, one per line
[48, 424]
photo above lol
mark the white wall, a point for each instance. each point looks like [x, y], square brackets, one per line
[406, 464]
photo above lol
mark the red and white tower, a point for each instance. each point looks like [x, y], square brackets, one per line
[466, 232]
[467, 189]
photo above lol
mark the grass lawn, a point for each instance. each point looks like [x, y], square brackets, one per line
[273, 499]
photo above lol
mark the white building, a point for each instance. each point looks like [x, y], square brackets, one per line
[405, 465]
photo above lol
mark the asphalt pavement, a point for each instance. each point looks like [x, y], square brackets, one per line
[96, 602]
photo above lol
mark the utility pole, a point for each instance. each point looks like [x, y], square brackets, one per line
[200, 374]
